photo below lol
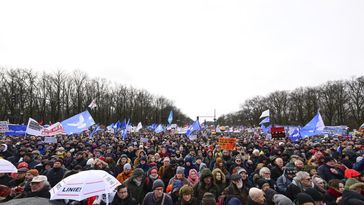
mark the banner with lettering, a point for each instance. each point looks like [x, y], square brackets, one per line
[34, 128]
[227, 143]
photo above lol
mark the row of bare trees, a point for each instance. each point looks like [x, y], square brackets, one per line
[52, 97]
[339, 102]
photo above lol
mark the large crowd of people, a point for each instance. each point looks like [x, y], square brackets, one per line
[171, 169]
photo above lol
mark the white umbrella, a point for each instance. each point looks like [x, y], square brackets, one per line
[7, 167]
[84, 185]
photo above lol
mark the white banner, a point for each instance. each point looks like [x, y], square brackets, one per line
[34, 128]
[50, 140]
[4, 126]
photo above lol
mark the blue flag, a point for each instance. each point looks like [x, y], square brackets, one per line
[152, 126]
[339, 150]
[170, 117]
[78, 123]
[314, 127]
[295, 135]
[159, 129]
[265, 120]
[194, 127]
[97, 128]
[266, 130]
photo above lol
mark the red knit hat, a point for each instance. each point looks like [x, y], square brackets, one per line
[350, 173]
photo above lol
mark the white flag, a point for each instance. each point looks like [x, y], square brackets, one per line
[139, 126]
[264, 114]
[92, 105]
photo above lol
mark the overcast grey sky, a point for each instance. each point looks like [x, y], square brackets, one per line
[201, 54]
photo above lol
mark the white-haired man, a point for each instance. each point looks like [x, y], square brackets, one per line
[256, 197]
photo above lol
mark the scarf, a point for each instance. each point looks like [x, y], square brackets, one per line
[193, 182]
[334, 192]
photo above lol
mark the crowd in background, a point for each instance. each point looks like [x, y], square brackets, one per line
[171, 169]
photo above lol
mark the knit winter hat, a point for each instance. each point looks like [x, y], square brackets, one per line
[33, 172]
[180, 170]
[350, 173]
[317, 196]
[127, 166]
[185, 190]
[158, 183]
[280, 199]
[350, 182]
[138, 172]
[302, 198]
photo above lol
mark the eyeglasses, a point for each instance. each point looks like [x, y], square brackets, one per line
[308, 179]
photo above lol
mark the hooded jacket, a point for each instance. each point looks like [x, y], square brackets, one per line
[221, 185]
[201, 188]
[136, 191]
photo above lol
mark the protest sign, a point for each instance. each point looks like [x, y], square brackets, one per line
[227, 143]
[34, 128]
[50, 140]
[4, 126]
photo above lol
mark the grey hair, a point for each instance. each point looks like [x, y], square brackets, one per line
[254, 192]
[262, 170]
[301, 175]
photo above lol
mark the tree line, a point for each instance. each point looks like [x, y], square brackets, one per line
[53, 97]
[339, 102]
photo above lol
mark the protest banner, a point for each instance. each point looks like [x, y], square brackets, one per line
[34, 128]
[50, 140]
[4, 126]
[227, 143]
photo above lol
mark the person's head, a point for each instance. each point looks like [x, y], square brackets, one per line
[290, 172]
[304, 178]
[38, 183]
[299, 164]
[257, 195]
[219, 162]
[127, 168]
[57, 164]
[186, 193]
[123, 159]
[265, 173]
[243, 173]
[193, 174]
[237, 180]
[313, 172]
[166, 161]
[337, 184]
[316, 196]
[122, 191]
[158, 187]
[279, 162]
[238, 160]
[22, 172]
[304, 199]
[208, 199]
[263, 184]
[318, 181]
[180, 172]
[329, 161]
[153, 172]
[30, 174]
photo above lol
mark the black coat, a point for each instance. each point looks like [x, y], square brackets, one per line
[127, 201]
[55, 175]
